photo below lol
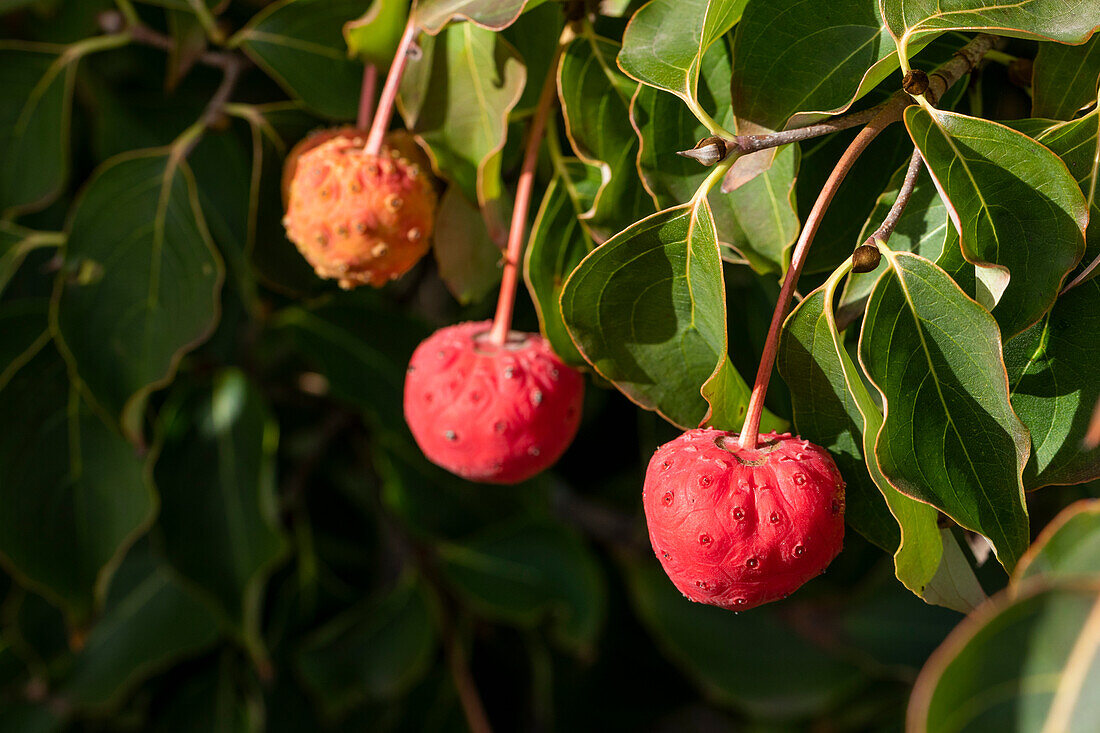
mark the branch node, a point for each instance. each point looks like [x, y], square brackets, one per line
[866, 257]
[915, 82]
[708, 151]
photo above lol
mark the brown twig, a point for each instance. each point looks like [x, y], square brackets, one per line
[146, 36]
[882, 234]
[502, 321]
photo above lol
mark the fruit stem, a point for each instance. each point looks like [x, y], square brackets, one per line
[886, 116]
[502, 321]
[366, 97]
[384, 114]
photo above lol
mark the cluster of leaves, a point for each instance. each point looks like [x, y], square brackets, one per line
[215, 519]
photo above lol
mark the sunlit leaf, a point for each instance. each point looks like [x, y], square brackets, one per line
[1013, 203]
[1024, 662]
[949, 437]
[1068, 548]
[665, 42]
[374, 35]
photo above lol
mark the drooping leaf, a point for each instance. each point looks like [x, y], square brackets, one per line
[1023, 662]
[378, 649]
[1014, 204]
[559, 241]
[34, 124]
[212, 698]
[527, 571]
[373, 36]
[76, 494]
[433, 15]
[150, 621]
[216, 476]
[16, 243]
[949, 437]
[732, 656]
[666, 40]
[757, 219]
[469, 261]
[647, 310]
[188, 44]
[147, 285]
[1065, 79]
[595, 100]
[457, 96]
[300, 44]
[1065, 21]
[1052, 370]
[1068, 548]
[24, 325]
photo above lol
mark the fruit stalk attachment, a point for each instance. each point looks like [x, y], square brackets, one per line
[502, 321]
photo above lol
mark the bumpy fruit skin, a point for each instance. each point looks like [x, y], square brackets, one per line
[737, 528]
[359, 218]
[491, 414]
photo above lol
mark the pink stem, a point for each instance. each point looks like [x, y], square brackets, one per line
[366, 97]
[382, 118]
[502, 321]
[890, 113]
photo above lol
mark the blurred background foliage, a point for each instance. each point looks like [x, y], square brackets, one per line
[258, 544]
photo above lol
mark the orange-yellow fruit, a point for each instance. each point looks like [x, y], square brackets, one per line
[358, 218]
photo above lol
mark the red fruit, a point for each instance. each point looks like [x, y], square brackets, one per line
[361, 218]
[495, 414]
[736, 527]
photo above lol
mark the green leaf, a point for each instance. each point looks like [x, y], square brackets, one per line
[150, 621]
[494, 15]
[1065, 79]
[362, 345]
[803, 60]
[24, 325]
[595, 100]
[1055, 385]
[147, 285]
[1014, 204]
[216, 475]
[16, 243]
[300, 44]
[373, 37]
[733, 656]
[1068, 548]
[210, 699]
[647, 309]
[34, 124]
[468, 258]
[1024, 662]
[949, 437]
[76, 494]
[457, 96]
[526, 571]
[1065, 21]
[757, 219]
[376, 650]
[1077, 143]
[559, 241]
[666, 40]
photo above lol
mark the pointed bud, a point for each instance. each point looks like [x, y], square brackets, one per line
[708, 151]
